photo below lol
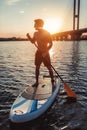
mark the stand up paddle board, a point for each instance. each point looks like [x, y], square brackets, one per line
[34, 101]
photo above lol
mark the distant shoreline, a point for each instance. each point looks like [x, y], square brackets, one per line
[25, 39]
[13, 39]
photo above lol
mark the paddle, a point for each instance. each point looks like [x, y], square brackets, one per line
[69, 91]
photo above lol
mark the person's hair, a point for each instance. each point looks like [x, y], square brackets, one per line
[39, 22]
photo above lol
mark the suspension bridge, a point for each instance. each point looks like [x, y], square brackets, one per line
[76, 33]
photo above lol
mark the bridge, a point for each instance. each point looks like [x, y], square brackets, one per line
[70, 35]
[75, 33]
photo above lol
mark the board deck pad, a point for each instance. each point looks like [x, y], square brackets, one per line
[43, 91]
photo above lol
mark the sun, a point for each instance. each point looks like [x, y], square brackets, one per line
[53, 25]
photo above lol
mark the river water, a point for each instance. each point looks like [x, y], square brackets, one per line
[17, 71]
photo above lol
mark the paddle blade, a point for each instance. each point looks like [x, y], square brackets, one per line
[69, 91]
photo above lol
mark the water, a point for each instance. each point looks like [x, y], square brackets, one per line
[17, 71]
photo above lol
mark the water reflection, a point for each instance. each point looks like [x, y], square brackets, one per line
[17, 71]
[74, 63]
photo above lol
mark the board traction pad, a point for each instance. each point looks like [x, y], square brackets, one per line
[43, 91]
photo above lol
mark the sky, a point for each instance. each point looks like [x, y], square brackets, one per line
[17, 16]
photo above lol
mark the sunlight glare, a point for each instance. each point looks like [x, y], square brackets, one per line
[53, 25]
[51, 52]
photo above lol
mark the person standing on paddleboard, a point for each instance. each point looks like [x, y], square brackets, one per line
[43, 41]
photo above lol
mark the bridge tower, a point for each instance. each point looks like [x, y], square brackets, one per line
[76, 13]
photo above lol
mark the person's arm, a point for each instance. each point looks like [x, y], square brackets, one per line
[50, 43]
[29, 38]
[48, 48]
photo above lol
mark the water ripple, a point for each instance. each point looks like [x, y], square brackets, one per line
[17, 70]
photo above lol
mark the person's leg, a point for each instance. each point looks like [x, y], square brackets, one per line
[47, 63]
[36, 76]
[52, 77]
[51, 73]
[38, 61]
[37, 73]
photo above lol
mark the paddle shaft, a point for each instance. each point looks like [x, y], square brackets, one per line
[51, 65]
[70, 93]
